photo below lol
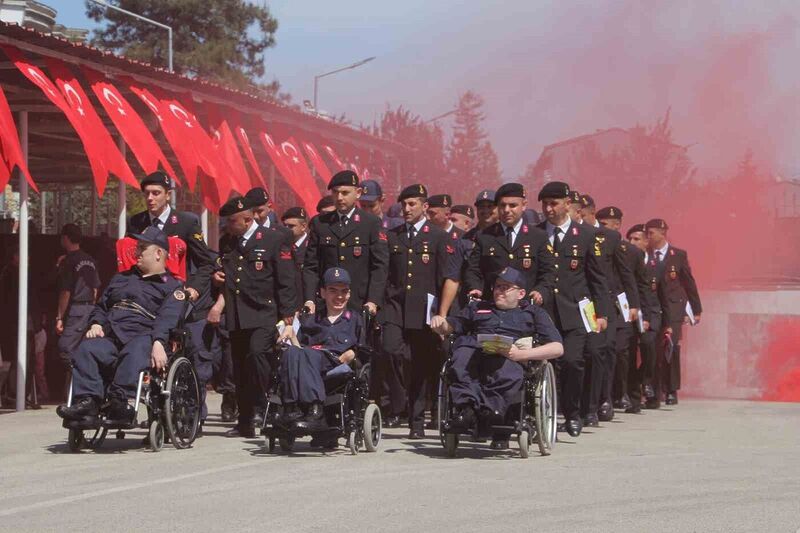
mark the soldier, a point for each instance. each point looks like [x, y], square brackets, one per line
[485, 210]
[325, 205]
[349, 238]
[372, 200]
[417, 264]
[258, 278]
[129, 331]
[438, 213]
[262, 210]
[294, 218]
[676, 287]
[204, 348]
[462, 216]
[579, 278]
[597, 404]
[78, 283]
[644, 337]
[510, 242]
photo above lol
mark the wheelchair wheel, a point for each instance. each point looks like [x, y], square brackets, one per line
[354, 441]
[524, 441]
[372, 427]
[451, 444]
[546, 409]
[286, 443]
[156, 436]
[182, 409]
[443, 406]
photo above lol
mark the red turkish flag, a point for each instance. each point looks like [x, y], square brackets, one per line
[98, 136]
[237, 125]
[10, 149]
[317, 161]
[303, 183]
[129, 124]
[225, 144]
[334, 156]
[276, 155]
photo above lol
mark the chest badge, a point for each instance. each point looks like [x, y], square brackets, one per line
[573, 264]
[426, 258]
[259, 265]
[526, 263]
[174, 219]
[356, 251]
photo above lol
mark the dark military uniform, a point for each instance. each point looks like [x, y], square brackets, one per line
[134, 312]
[492, 253]
[303, 369]
[417, 268]
[676, 286]
[357, 245]
[579, 274]
[259, 290]
[492, 381]
[77, 274]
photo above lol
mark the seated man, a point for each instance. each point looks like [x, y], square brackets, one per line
[491, 383]
[330, 337]
[129, 330]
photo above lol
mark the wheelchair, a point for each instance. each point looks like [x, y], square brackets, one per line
[172, 400]
[536, 421]
[348, 411]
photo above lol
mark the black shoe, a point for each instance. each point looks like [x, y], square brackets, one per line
[327, 443]
[84, 408]
[291, 413]
[634, 409]
[228, 408]
[649, 392]
[672, 398]
[573, 427]
[120, 411]
[499, 442]
[591, 421]
[652, 403]
[392, 422]
[246, 432]
[623, 403]
[606, 412]
[314, 419]
[416, 434]
[464, 418]
[258, 418]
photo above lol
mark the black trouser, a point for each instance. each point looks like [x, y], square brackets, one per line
[644, 374]
[571, 370]
[388, 387]
[599, 365]
[76, 322]
[253, 352]
[668, 373]
[625, 358]
[418, 349]
[223, 365]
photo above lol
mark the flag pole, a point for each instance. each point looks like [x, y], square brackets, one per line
[22, 306]
[122, 198]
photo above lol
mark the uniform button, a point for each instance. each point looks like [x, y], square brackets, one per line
[237, 280]
[342, 244]
[555, 291]
[411, 262]
[556, 266]
[556, 254]
[409, 274]
[240, 258]
[237, 291]
[511, 256]
[239, 268]
[408, 287]
[341, 258]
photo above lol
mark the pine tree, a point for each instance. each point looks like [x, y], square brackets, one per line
[471, 161]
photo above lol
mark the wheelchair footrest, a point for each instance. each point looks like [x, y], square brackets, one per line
[334, 399]
[91, 422]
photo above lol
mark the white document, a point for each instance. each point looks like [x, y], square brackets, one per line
[432, 309]
[584, 307]
[690, 314]
[624, 307]
[640, 322]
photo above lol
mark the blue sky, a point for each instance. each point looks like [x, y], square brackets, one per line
[548, 70]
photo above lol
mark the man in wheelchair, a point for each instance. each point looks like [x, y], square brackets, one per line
[326, 339]
[129, 332]
[486, 382]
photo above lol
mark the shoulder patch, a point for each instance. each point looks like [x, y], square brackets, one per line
[179, 295]
[198, 236]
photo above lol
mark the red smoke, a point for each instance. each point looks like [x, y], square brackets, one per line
[779, 363]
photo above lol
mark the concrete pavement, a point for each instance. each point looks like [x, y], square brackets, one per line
[700, 466]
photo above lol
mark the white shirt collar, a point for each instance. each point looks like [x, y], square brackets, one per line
[268, 222]
[249, 233]
[450, 226]
[349, 214]
[299, 242]
[418, 225]
[162, 217]
[663, 251]
[551, 228]
[596, 224]
[516, 227]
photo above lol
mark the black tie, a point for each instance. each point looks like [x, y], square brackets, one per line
[556, 240]
[242, 242]
[510, 236]
[343, 220]
[658, 256]
[412, 231]
[157, 223]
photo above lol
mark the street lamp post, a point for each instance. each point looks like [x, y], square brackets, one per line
[349, 67]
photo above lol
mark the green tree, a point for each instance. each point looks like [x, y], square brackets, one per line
[471, 161]
[224, 41]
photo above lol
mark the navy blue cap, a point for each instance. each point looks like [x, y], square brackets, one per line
[394, 211]
[237, 204]
[371, 190]
[343, 177]
[486, 195]
[513, 276]
[258, 196]
[335, 275]
[153, 235]
[440, 200]
[413, 191]
[159, 177]
[555, 189]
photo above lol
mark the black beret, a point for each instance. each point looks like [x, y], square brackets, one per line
[634, 229]
[657, 223]
[325, 201]
[159, 177]
[237, 204]
[609, 212]
[294, 212]
[335, 275]
[258, 196]
[515, 190]
[413, 191]
[486, 195]
[513, 276]
[440, 200]
[153, 235]
[344, 177]
[466, 210]
[587, 201]
[554, 189]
